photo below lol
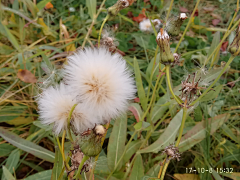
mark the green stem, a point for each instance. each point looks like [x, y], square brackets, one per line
[120, 159]
[189, 22]
[178, 140]
[100, 32]
[69, 122]
[80, 167]
[169, 10]
[215, 81]
[169, 84]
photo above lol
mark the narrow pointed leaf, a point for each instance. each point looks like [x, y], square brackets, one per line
[116, 143]
[141, 92]
[138, 170]
[45, 175]
[58, 163]
[27, 146]
[7, 174]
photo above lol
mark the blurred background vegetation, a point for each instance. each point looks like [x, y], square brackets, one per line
[34, 34]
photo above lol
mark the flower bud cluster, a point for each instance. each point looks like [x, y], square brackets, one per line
[120, 4]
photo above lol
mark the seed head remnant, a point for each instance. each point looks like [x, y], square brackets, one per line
[172, 152]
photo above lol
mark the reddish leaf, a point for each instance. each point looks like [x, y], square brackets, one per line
[130, 14]
[183, 9]
[137, 100]
[140, 17]
[26, 76]
[135, 113]
[216, 21]
[130, 2]
[48, 6]
[196, 13]
[224, 46]
[216, 16]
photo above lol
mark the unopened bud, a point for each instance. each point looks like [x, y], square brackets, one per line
[90, 143]
[120, 4]
[234, 48]
[173, 25]
[166, 56]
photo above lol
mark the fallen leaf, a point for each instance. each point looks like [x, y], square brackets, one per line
[183, 9]
[48, 6]
[208, 9]
[26, 76]
[140, 17]
[130, 14]
[186, 176]
[216, 16]
[196, 13]
[216, 21]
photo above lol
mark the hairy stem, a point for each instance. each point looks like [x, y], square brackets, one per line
[169, 10]
[69, 121]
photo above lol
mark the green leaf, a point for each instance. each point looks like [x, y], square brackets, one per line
[126, 18]
[132, 149]
[91, 5]
[212, 94]
[7, 174]
[215, 42]
[138, 170]
[44, 175]
[12, 162]
[42, 4]
[102, 166]
[141, 92]
[116, 143]
[153, 172]
[198, 132]
[228, 132]
[231, 157]
[168, 135]
[27, 146]
[58, 164]
[156, 68]
[141, 125]
[5, 149]
[5, 31]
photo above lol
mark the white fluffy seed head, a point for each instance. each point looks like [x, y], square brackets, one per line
[145, 25]
[99, 129]
[54, 106]
[101, 81]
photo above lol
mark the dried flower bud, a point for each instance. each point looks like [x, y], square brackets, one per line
[108, 40]
[118, 6]
[234, 48]
[166, 56]
[174, 24]
[90, 143]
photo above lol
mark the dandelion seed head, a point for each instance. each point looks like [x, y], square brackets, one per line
[55, 105]
[100, 80]
[145, 25]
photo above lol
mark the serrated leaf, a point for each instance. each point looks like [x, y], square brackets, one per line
[138, 170]
[44, 175]
[198, 132]
[27, 146]
[7, 174]
[116, 143]
[91, 5]
[138, 78]
[12, 162]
